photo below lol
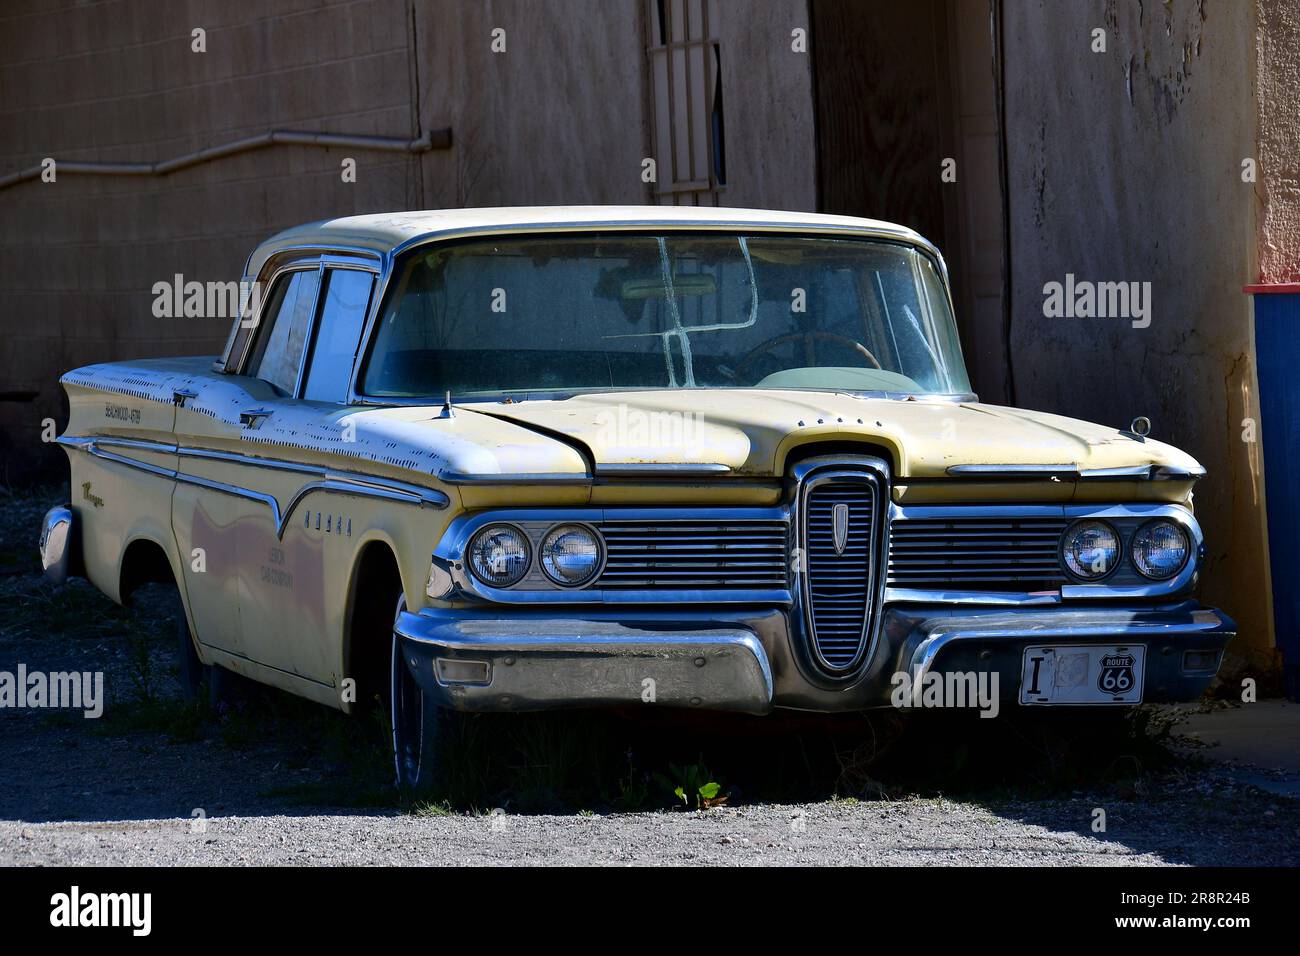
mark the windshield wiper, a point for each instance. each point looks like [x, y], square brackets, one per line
[934, 357]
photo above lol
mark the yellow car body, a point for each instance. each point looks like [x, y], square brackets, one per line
[265, 508]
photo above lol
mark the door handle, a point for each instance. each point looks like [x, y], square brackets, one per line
[253, 417]
[182, 395]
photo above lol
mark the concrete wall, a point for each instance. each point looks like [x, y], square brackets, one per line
[767, 89]
[1126, 166]
[560, 117]
[1277, 43]
[978, 286]
[116, 81]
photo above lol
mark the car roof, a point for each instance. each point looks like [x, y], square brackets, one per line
[386, 233]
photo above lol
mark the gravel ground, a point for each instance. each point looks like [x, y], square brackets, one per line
[918, 832]
[152, 782]
[910, 832]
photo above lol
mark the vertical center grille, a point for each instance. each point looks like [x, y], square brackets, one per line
[840, 541]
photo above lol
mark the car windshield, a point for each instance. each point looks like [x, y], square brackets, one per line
[630, 311]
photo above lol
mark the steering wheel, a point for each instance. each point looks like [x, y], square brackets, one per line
[808, 338]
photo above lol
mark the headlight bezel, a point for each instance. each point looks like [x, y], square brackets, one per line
[529, 554]
[1063, 550]
[1133, 549]
[562, 526]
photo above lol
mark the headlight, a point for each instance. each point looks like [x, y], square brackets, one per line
[499, 555]
[1160, 549]
[570, 554]
[1090, 549]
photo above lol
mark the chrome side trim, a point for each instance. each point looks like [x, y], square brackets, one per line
[604, 475]
[330, 479]
[1072, 472]
[236, 491]
[89, 445]
[979, 598]
[556, 478]
[238, 459]
[1012, 472]
[662, 468]
[365, 488]
[340, 482]
[1170, 473]
[143, 444]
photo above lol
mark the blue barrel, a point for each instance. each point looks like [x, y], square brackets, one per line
[1277, 364]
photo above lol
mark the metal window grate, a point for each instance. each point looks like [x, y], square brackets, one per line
[686, 92]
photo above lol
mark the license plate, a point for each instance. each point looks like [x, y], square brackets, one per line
[1081, 674]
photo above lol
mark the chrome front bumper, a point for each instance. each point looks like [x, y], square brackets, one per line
[56, 543]
[752, 660]
[477, 663]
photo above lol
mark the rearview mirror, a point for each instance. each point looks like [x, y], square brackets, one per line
[695, 284]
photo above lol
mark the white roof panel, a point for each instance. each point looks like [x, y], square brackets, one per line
[386, 232]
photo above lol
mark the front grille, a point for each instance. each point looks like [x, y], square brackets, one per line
[839, 582]
[976, 554]
[692, 554]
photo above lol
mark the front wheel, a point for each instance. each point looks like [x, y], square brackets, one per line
[418, 726]
[189, 669]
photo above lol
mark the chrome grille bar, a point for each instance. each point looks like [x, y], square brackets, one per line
[984, 553]
[694, 554]
[841, 511]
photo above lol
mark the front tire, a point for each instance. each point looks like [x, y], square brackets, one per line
[418, 725]
[189, 669]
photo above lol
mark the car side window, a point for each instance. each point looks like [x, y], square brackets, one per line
[346, 299]
[285, 324]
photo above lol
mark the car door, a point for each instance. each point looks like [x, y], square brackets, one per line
[213, 500]
[283, 551]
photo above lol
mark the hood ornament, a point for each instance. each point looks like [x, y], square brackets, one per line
[840, 527]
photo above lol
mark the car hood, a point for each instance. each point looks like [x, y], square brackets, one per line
[752, 431]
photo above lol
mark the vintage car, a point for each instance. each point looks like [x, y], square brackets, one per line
[721, 459]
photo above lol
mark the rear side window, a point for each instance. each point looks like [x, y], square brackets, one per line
[346, 298]
[286, 321]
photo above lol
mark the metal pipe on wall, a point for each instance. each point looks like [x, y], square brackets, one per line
[434, 139]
